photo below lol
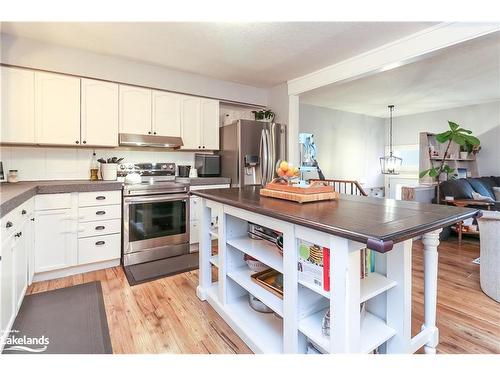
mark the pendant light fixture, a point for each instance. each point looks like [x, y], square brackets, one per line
[390, 164]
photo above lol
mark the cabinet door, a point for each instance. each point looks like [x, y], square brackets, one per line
[191, 118]
[99, 113]
[7, 311]
[30, 239]
[55, 239]
[18, 105]
[210, 124]
[57, 109]
[135, 110]
[20, 266]
[166, 114]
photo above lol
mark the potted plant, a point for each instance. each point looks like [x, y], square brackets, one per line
[464, 151]
[458, 135]
[264, 115]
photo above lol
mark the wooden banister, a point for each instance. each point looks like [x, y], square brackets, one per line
[344, 186]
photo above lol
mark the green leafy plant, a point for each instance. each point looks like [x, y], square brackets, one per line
[264, 114]
[456, 134]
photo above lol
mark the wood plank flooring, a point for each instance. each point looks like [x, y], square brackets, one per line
[165, 316]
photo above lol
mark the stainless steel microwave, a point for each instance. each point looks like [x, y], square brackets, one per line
[207, 165]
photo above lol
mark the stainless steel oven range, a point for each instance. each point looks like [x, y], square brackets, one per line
[155, 214]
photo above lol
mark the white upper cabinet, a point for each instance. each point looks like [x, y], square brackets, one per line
[135, 110]
[99, 113]
[210, 124]
[18, 105]
[191, 121]
[57, 109]
[166, 113]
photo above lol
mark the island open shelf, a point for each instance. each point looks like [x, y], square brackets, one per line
[370, 311]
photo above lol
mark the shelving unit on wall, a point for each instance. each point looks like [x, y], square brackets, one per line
[296, 320]
[427, 160]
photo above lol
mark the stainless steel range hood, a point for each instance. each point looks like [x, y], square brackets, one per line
[142, 140]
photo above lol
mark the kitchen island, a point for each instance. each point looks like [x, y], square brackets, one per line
[367, 314]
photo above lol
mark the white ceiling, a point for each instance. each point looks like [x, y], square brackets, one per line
[258, 54]
[465, 74]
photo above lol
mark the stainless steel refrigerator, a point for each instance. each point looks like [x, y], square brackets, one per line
[249, 151]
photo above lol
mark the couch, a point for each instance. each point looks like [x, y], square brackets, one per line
[463, 188]
[489, 272]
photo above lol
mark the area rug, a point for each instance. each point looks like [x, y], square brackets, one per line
[63, 321]
[143, 272]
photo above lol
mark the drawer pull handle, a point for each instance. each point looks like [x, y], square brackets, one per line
[9, 224]
[98, 243]
[100, 197]
[100, 212]
[23, 212]
[100, 227]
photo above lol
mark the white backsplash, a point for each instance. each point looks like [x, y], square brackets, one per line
[44, 163]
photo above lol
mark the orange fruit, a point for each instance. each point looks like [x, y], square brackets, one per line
[284, 166]
[281, 172]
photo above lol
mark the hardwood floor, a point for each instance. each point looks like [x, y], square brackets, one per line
[165, 316]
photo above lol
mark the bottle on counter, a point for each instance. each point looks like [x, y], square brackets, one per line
[94, 168]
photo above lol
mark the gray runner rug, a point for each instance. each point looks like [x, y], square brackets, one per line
[63, 321]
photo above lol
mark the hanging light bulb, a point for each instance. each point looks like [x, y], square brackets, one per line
[390, 164]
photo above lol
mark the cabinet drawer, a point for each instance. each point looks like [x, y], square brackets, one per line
[99, 228]
[10, 223]
[98, 249]
[99, 198]
[99, 213]
[52, 201]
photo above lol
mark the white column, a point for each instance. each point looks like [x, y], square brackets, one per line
[345, 295]
[399, 297]
[205, 248]
[431, 242]
[293, 129]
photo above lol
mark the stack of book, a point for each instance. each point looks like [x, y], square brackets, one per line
[314, 264]
[367, 262]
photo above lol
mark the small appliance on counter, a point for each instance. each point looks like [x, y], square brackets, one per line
[207, 165]
[183, 170]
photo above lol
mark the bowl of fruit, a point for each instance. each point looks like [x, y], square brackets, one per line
[287, 171]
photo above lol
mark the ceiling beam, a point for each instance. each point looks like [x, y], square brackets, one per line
[392, 55]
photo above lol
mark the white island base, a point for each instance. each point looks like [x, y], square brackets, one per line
[385, 326]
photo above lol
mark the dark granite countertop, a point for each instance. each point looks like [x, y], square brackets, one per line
[12, 195]
[198, 181]
[377, 222]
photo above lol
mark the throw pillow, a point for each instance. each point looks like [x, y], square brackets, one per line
[479, 197]
[496, 190]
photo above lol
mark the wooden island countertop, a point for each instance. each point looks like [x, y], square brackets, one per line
[377, 222]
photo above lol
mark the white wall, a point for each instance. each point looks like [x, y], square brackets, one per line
[278, 102]
[482, 119]
[54, 163]
[349, 145]
[40, 55]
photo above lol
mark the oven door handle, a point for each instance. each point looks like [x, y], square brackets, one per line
[162, 198]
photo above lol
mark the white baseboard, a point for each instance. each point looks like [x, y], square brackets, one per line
[56, 274]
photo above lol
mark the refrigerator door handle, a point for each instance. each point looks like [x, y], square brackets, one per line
[264, 148]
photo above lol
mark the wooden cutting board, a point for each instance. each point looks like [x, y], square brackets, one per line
[314, 188]
[297, 197]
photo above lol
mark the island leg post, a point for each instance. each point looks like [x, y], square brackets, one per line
[431, 243]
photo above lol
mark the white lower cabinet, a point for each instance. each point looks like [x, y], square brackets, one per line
[98, 249]
[14, 263]
[21, 265]
[7, 286]
[55, 240]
